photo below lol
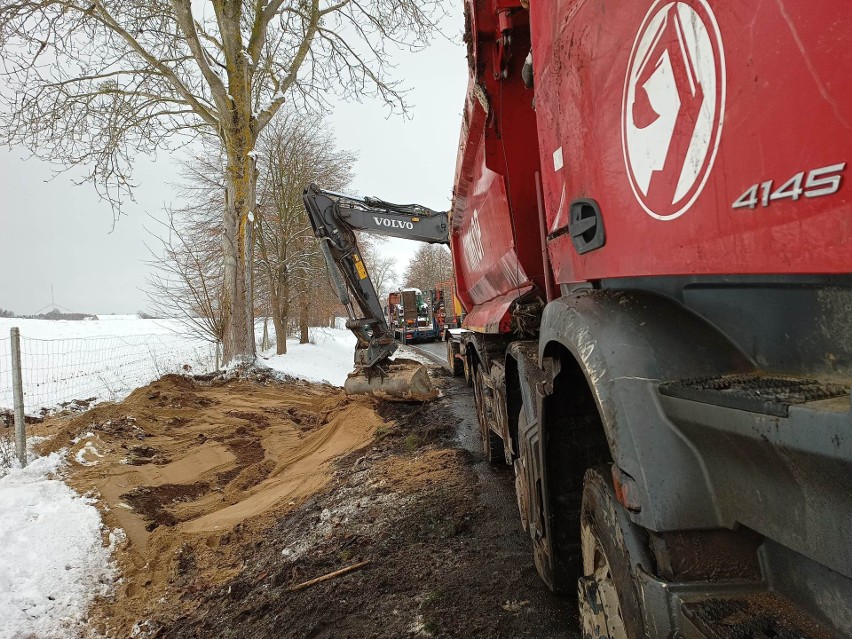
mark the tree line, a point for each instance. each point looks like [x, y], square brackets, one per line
[291, 286]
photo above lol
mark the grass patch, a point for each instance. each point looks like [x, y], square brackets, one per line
[412, 442]
[435, 597]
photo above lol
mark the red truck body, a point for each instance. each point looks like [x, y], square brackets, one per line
[495, 239]
[747, 102]
[653, 244]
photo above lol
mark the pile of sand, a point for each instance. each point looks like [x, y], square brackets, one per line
[191, 472]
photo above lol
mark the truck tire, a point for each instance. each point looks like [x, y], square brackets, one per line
[492, 445]
[608, 600]
[456, 364]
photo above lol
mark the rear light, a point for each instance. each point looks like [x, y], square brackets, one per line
[409, 335]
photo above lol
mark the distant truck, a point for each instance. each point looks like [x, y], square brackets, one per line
[449, 310]
[411, 313]
[420, 316]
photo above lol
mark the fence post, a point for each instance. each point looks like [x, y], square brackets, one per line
[18, 392]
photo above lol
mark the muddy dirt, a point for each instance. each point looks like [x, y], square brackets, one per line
[235, 494]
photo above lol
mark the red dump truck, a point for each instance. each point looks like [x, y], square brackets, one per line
[652, 239]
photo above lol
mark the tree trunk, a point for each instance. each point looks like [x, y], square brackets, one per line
[278, 295]
[238, 343]
[280, 323]
[264, 344]
[304, 338]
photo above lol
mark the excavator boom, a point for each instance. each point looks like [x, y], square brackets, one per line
[335, 217]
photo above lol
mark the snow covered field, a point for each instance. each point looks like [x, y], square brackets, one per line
[108, 358]
[103, 359]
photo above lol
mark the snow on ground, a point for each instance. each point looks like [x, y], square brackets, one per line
[52, 558]
[106, 326]
[328, 357]
[117, 318]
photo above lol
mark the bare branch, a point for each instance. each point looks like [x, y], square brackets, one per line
[93, 84]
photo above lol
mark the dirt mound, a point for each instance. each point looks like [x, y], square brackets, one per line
[189, 471]
[406, 541]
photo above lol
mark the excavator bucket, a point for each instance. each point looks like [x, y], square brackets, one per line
[403, 380]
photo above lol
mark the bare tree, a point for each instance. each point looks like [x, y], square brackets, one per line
[381, 266]
[187, 252]
[294, 151]
[430, 265]
[187, 282]
[93, 83]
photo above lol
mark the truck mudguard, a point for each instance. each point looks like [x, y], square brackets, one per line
[626, 343]
[696, 457]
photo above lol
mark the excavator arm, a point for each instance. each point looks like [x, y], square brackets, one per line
[335, 217]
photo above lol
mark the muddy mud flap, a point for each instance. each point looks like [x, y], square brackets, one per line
[455, 360]
[530, 485]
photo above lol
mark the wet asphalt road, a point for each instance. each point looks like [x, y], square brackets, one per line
[436, 351]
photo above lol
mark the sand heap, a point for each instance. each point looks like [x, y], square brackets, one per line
[192, 471]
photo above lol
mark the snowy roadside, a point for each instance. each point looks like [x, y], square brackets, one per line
[52, 558]
[328, 357]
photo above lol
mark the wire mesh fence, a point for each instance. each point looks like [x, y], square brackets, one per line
[76, 372]
[58, 372]
[71, 365]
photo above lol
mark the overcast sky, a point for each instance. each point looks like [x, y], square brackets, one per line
[57, 234]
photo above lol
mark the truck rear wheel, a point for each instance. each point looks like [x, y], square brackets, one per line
[492, 445]
[456, 364]
[608, 600]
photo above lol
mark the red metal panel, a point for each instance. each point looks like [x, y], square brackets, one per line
[493, 316]
[486, 239]
[494, 239]
[667, 113]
